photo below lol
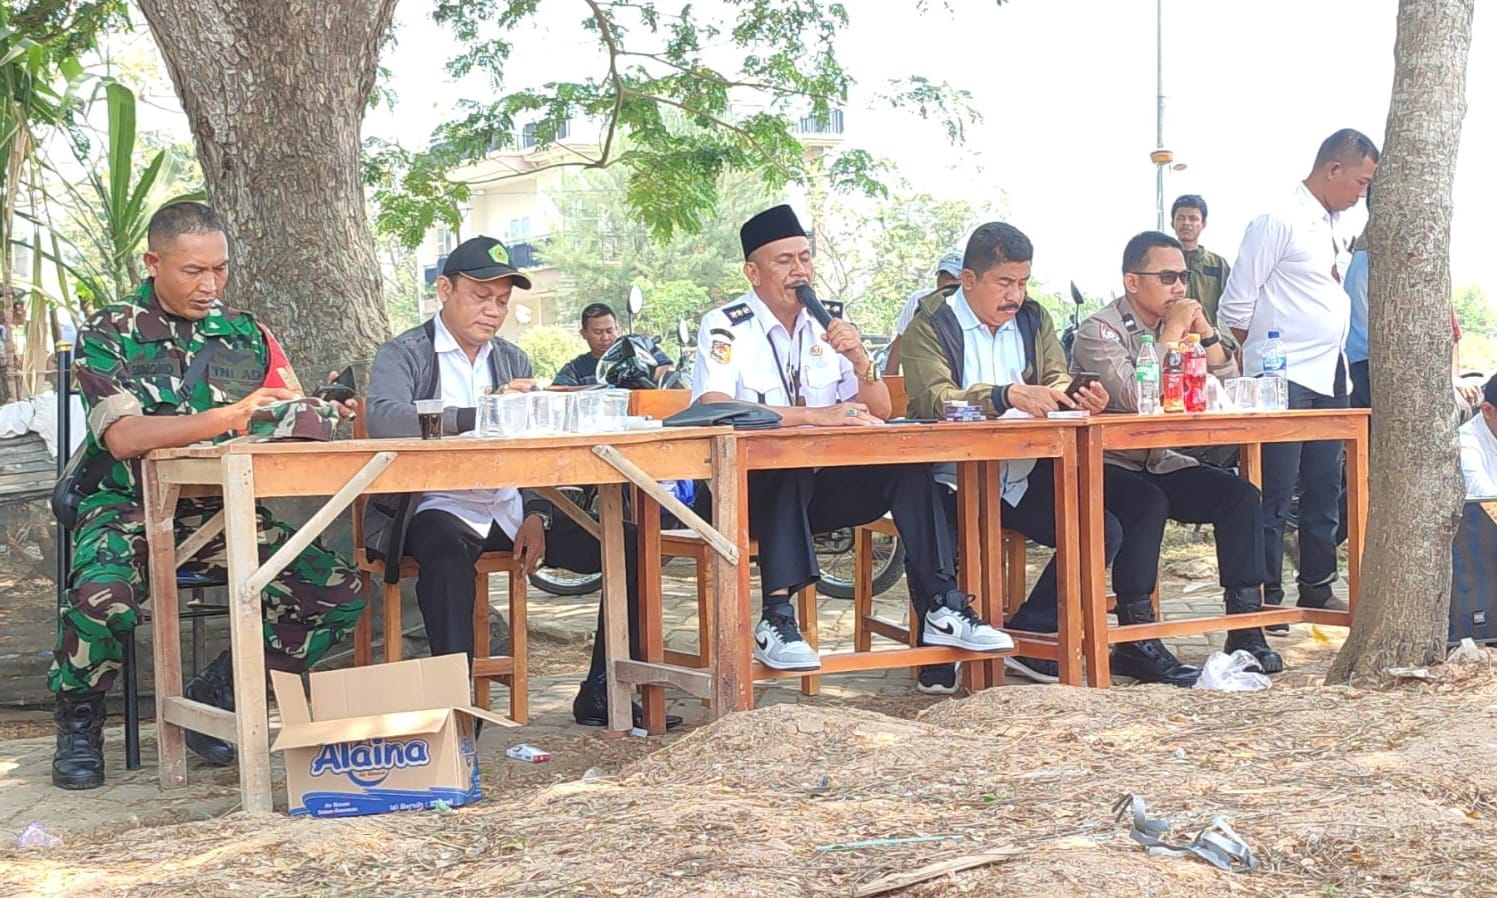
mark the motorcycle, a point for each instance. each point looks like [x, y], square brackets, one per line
[679, 378]
[1068, 337]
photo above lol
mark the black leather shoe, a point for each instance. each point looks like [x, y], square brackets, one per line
[1149, 661]
[590, 707]
[214, 685]
[78, 762]
[1246, 600]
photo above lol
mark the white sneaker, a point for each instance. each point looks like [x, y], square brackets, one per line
[778, 644]
[963, 629]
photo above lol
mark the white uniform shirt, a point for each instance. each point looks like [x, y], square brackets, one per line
[1283, 280]
[744, 352]
[911, 305]
[462, 383]
[996, 358]
[1479, 458]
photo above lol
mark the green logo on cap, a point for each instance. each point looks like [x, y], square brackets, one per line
[499, 254]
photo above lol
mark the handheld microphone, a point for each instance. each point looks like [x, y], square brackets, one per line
[807, 298]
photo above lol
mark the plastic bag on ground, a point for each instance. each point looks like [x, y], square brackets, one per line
[1237, 672]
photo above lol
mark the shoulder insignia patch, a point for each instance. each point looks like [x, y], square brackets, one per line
[739, 313]
[1108, 333]
[722, 332]
[834, 309]
[722, 350]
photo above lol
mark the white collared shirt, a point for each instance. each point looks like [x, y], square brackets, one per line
[995, 358]
[1283, 280]
[462, 382]
[1479, 458]
[743, 351]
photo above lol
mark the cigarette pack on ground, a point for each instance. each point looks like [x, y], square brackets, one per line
[387, 737]
[524, 752]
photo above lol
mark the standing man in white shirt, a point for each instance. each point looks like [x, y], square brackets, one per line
[767, 349]
[1479, 447]
[1288, 279]
[457, 356]
[948, 278]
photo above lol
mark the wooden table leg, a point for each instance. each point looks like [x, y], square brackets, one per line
[615, 604]
[994, 596]
[1067, 565]
[1250, 463]
[651, 621]
[1356, 509]
[246, 635]
[1093, 559]
[166, 627]
[732, 652]
[969, 489]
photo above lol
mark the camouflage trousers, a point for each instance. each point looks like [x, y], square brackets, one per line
[308, 607]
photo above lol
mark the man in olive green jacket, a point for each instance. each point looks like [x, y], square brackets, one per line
[996, 348]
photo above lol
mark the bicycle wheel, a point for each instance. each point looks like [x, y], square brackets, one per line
[834, 553]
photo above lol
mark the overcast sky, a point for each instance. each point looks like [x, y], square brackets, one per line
[1067, 92]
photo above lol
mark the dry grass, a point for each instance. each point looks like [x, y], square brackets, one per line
[1340, 791]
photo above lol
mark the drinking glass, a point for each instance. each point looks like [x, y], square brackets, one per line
[514, 414]
[488, 416]
[429, 413]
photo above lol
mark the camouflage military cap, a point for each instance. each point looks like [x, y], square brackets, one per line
[297, 419]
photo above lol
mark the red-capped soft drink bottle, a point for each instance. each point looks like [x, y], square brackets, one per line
[1195, 373]
[1172, 392]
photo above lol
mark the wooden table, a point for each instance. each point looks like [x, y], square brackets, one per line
[1247, 430]
[976, 448]
[244, 472]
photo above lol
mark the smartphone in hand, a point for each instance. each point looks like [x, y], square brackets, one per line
[1081, 381]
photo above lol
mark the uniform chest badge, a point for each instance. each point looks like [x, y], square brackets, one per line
[816, 350]
[722, 351]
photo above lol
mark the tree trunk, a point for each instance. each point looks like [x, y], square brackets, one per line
[275, 92]
[1416, 487]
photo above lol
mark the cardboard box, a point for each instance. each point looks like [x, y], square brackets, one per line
[388, 737]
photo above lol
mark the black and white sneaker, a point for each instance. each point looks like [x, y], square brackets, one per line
[962, 628]
[778, 644]
[1038, 670]
[938, 679]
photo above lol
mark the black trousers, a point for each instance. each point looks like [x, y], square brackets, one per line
[786, 507]
[447, 550]
[1199, 494]
[1316, 467]
[1034, 517]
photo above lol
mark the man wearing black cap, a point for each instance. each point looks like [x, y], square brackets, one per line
[766, 349]
[455, 357]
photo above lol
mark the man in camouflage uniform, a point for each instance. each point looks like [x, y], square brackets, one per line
[170, 366]
[1208, 271]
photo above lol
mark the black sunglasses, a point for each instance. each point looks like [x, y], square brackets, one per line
[1167, 278]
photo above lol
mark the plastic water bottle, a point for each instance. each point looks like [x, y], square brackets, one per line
[1276, 365]
[1146, 377]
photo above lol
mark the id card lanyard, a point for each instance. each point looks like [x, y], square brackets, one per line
[789, 376]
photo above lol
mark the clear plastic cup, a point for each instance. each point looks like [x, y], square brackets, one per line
[488, 416]
[514, 414]
[548, 412]
[615, 409]
[1270, 394]
[589, 411]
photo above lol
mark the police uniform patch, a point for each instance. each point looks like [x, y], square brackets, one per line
[816, 350]
[722, 332]
[1108, 333]
[722, 351]
[739, 313]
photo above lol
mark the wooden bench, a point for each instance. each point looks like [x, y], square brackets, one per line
[507, 669]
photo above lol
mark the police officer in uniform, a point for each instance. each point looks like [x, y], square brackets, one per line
[1166, 482]
[167, 367]
[766, 349]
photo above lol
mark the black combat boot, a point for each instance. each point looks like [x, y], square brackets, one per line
[78, 762]
[1148, 660]
[1320, 597]
[214, 685]
[1246, 600]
